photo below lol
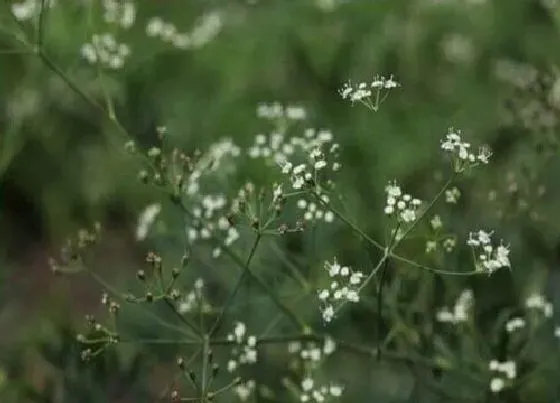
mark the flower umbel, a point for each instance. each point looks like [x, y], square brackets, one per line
[344, 287]
[488, 258]
[369, 94]
[460, 151]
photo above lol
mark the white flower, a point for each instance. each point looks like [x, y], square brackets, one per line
[507, 368]
[307, 384]
[329, 347]
[514, 324]
[320, 164]
[496, 385]
[240, 330]
[328, 313]
[335, 390]
[298, 182]
[299, 169]
[461, 309]
[287, 167]
[146, 219]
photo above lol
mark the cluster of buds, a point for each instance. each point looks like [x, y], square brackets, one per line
[98, 337]
[72, 252]
[177, 170]
[191, 376]
[158, 286]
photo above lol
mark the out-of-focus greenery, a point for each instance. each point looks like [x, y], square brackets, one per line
[461, 63]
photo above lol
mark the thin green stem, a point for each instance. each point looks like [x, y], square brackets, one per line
[237, 286]
[204, 376]
[380, 292]
[353, 226]
[121, 296]
[434, 270]
[426, 210]
[260, 282]
[42, 22]
[173, 309]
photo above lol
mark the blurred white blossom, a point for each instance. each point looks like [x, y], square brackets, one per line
[461, 309]
[489, 258]
[146, 219]
[344, 287]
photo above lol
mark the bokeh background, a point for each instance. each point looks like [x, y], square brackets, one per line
[491, 68]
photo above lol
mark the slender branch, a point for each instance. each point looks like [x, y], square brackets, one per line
[260, 282]
[354, 227]
[237, 286]
[380, 291]
[427, 209]
[434, 270]
[42, 21]
[174, 310]
[119, 295]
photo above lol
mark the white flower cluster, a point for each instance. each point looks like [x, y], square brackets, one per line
[460, 150]
[146, 220]
[403, 206]
[539, 302]
[437, 224]
[121, 13]
[105, 50]
[194, 299]
[276, 110]
[207, 225]
[320, 154]
[313, 212]
[28, 9]
[489, 258]
[218, 158]
[461, 309]
[312, 355]
[281, 149]
[515, 324]
[311, 352]
[243, 353]
[507, 368]
[211, 209]
[452, 195]
[206, 28]
[315, 393]
[245, 390]
[306, 173]
[366, 92]
[344, 287]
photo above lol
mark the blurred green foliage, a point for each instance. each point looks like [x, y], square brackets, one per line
[62, 165]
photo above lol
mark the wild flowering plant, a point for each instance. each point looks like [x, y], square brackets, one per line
[221, 344]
